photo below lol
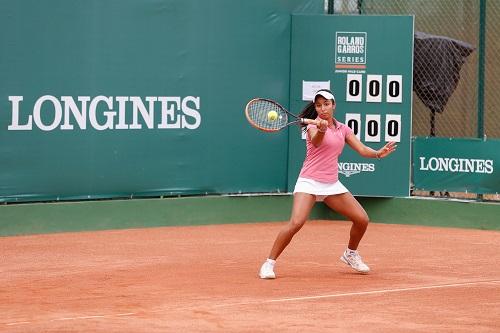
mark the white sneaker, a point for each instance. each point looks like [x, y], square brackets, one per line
[354, 260]
[267, 271]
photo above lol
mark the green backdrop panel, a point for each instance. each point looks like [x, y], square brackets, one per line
[367, 61]
[458, 165]
[106, 98]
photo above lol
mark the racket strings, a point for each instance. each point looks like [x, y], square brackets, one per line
[258, 114]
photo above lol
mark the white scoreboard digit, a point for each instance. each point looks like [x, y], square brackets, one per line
[374, 88]
[353, 120]
[394, 89]
[372, 128]
[354, 88]
[393, 127]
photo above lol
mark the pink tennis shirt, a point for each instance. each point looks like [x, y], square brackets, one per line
[321, 163]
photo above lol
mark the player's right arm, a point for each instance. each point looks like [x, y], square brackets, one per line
[317, 133]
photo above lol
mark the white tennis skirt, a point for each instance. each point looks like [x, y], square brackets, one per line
[319, 189]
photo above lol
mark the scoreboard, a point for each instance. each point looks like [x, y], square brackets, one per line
[367, 61]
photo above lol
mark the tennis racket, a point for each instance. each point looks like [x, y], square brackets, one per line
[269, 116]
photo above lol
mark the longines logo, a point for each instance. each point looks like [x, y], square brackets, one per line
[454, 164]
[349, 169]
[49, 113]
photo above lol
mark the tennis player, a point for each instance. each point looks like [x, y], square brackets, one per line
[318, 181]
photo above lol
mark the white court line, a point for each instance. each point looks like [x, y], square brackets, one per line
[287, 299]
[126, 314]
[80, 317]
[18, 323]
[361, 293]
[76, 318]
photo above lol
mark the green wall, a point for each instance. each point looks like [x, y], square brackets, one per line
[456, 165]
[154, 91]
[39, 218]
[387, 51]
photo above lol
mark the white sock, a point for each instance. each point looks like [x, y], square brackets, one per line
[271, 261]
[349, 251]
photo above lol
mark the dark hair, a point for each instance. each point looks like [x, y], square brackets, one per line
[309, 111]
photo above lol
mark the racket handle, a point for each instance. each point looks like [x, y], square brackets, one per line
[308, 121]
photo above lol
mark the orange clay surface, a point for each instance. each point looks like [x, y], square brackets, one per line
[204, 279]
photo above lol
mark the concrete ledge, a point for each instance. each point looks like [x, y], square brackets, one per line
[37, 218]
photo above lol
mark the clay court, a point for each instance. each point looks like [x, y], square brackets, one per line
[204, 279]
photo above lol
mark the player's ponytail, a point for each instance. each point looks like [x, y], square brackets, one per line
[308, 112]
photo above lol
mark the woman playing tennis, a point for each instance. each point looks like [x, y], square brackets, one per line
[318, 180]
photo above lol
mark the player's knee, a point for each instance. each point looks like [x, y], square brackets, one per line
[295, 225]
[363, 219]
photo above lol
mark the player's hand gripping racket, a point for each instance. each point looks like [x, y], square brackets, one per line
[267, 115]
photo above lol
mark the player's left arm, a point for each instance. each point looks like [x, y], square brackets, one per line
[365, 151]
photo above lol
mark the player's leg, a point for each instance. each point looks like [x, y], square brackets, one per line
[302, 205]
[346, 205]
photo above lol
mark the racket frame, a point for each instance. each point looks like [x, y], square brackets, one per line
[288, 113]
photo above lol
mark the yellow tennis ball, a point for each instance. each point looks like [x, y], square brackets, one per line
[272, 115]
